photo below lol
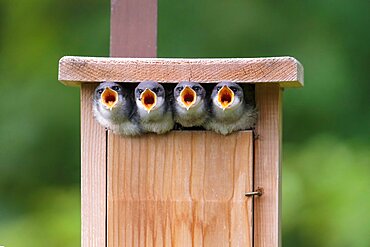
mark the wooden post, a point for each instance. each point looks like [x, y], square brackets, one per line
[133, 28]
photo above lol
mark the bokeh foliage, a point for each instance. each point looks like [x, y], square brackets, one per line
[326, 165]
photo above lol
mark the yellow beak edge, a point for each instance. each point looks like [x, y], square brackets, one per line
[225, 97]
[109, 98]
[188, 97]
[148, 99]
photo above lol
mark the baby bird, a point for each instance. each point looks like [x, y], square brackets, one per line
[155, 114]
[229, 111]
[189, 104]
[114, 109]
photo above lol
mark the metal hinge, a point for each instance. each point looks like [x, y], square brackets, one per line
[258, 192]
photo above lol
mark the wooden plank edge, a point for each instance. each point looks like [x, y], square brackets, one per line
[285, 71]
[93, 174]
[267, 166]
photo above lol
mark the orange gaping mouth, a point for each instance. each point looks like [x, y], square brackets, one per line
[109, 98]
[225, 97]
[188, 97]
[148, 99]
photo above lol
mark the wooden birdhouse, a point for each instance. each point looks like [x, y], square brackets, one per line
[183, 188]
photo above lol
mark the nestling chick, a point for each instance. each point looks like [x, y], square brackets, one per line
[114, 109]
[229, 111]
[189, 104]
[154, 111]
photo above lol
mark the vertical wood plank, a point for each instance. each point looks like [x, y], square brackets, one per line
[133, 28]
[93, 174]
[181, 189]
[267, 169]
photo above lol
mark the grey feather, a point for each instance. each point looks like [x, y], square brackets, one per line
[197, 114]
[121, 119]
[160, 119]
[240, 116]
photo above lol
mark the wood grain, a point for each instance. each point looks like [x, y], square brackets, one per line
[267, 169]
[286, 71]
[93, 174]
[133, 28]
[180, 189]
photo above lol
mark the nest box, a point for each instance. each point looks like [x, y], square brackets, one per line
[183, 188]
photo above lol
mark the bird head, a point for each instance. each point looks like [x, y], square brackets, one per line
[149, 96]
[189, 94]
[227, 95]
[109, 94]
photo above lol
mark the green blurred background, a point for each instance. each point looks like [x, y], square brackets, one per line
[326, 167]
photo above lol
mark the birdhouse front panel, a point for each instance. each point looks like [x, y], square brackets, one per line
[184, 188]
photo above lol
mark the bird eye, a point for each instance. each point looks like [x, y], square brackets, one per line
[179, 89]
[218, 88]
[100, 91]
[156, 89]
[139, 90]
[116, 88]
[234, 89]
[197, 88]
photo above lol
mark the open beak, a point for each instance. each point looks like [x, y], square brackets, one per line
[148, 99]
[188, 97]
[225, 97]
[109, 98]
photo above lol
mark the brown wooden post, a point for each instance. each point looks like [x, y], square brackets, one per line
[133, 28]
